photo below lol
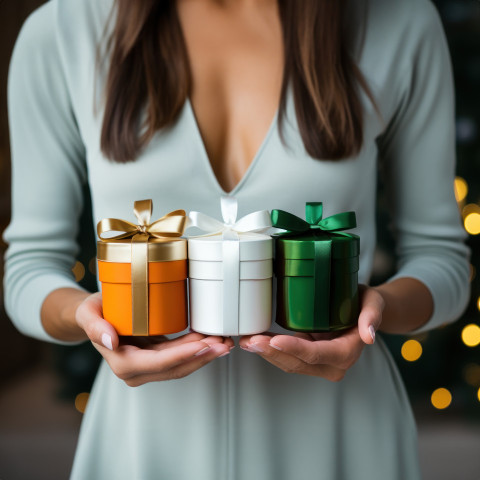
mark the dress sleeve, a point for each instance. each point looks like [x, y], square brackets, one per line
[417, 155]
[48, 171]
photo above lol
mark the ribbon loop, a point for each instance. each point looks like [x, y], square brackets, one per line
[313, 212]
[229, 206]
[143, 211]
[169, 226]
[338, 222]
[289, 222]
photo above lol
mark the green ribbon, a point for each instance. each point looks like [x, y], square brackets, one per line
[322, 252]
[313, 214]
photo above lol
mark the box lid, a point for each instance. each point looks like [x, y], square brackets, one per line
[252, 247]
[302, 246]
[159, 250]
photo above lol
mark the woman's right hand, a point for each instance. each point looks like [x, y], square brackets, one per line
[147, 359]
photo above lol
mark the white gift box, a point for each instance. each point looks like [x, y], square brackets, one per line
[230, 273]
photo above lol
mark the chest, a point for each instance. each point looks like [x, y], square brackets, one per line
[236, 62]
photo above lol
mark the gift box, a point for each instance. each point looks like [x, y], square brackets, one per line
[143, 272]
[316, 265]
[230, 273]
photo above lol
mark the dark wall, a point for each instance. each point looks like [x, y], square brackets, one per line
[17, 351]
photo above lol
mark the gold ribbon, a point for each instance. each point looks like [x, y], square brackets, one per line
[169, 226]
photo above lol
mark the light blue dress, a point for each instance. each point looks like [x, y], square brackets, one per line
[239, 418]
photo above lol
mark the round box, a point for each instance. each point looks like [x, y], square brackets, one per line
[238, 272]
[317, 281]
[167, 285]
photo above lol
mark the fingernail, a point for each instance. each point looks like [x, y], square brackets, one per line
[203, 350]
[372, 332]
[107, 341]
[276, 347]
[255, 348]
[224, 354]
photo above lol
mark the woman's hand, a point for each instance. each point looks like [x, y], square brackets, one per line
[327, 355]
[147, 359]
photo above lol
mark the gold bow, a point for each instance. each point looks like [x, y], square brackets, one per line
[169, 226]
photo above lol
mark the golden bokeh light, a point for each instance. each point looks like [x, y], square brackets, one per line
[411, 350]
[471, 335]
[79, 271]
[472, 223]
[471, 374]
[81, 401]
[478, 394]
[478, 303]
[461, 189]
[470, 208]
[441, 398]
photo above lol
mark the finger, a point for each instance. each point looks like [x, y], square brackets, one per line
[160, 342]
[341, 352]
[129, 361]
[89, 316]
[248, 339]
[229, 342]
[292, 364]
[211, 340]
[187, 338]
[370, 318]
[181, 370]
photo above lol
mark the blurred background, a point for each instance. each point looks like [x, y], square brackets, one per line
[44, 388]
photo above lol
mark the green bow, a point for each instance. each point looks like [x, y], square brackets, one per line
[315, 225]
[313, 214]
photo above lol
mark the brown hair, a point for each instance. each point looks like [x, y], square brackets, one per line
[149, 60]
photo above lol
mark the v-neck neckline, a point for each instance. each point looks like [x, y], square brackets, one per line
[206, 159]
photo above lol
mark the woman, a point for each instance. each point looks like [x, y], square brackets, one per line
[277, 103]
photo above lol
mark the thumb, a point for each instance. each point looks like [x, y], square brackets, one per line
[372, 305]
[89, 317]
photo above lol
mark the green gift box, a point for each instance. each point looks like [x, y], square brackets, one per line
[316, 265]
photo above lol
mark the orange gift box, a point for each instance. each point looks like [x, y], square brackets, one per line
[143, 272]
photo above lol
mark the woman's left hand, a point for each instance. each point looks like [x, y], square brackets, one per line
[327, 355]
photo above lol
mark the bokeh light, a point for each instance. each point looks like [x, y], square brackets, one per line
[472, 223]
[478, 394]
[441, 398]
[461, 189]
[79, 271]
[411, 350]
[473, 273]
[81, 401]
[471, 335]
[478, 303]
[470, 208]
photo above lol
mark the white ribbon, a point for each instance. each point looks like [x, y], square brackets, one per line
[231, 230]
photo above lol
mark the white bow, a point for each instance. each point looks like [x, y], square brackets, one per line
[230, 228]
